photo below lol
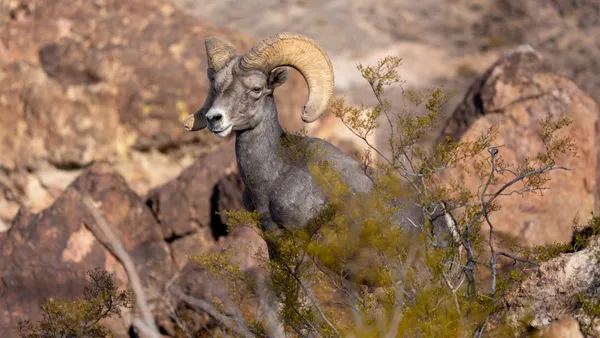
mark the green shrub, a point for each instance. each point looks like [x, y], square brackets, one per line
[353, 273]
[81, 317]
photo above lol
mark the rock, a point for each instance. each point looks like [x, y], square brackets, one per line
[186, 207]
[183, 204]
[53, 125]
[197, 242]
[514, 94]
[565, 29]
[228, 196]
[47, 254]
[245, 241]
[156, 60]
[551, 292]
[565, 327]
[110, 81]
[38, 118]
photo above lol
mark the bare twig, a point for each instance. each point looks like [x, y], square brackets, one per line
[314, 302]
[173, 315]
[308, 322]
[146, 324]
[399, 306]
[485, 213]
[273, 327]
[542, 170]
[206, 307]
[493, 152]
[479, 331]
[339, 286]
[453, 290]
[295, 328]
[516, 259]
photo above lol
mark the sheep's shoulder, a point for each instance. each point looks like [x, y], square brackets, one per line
[294, 199]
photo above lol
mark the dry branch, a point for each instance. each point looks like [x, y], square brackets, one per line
[146, 324]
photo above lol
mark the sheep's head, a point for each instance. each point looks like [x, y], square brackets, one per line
[240, 86]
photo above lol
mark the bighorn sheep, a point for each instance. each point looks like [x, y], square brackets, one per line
[241, 100]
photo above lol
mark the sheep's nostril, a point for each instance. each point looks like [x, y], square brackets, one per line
[214, 118]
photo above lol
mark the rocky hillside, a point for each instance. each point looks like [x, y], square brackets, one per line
[47, 254]
[92, 95]
[110, 82]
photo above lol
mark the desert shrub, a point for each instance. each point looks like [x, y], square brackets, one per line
[81, 317]
[352, 272]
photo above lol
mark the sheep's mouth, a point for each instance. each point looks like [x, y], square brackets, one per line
[224, 131]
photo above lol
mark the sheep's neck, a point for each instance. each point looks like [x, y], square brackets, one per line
[258, 153]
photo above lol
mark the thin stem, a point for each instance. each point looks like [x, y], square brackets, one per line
[206, 307]
[147, 323]
[314, 301]
[493, 152]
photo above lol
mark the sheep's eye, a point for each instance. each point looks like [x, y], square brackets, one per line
[256, 89]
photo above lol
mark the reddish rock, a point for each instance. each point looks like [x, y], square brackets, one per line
[564, 327]
[151, 51]
[514, 94]
[551, 293]
[198, 242]
[183, 205]
[228, 196]
[187, 206]
[47, 254]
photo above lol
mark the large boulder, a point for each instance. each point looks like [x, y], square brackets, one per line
[514, 94]
[85, 82]
[564, 327]
[47, 254]
[187, 206]
[551, 294]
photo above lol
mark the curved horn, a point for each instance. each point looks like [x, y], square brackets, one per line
[303, 54]
[218, 52]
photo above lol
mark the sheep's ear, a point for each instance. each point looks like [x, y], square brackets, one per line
[278, 76]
